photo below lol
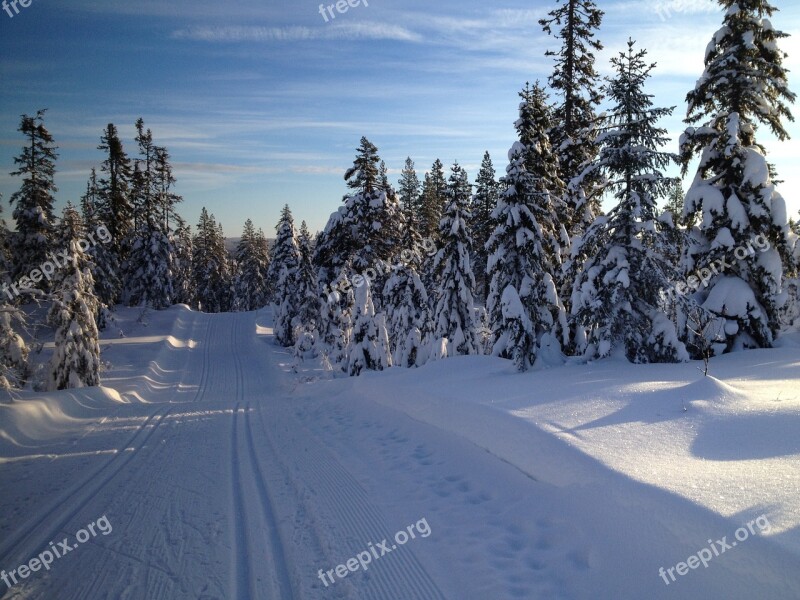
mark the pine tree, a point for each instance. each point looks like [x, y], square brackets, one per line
[576, 83]
[484, 201]
[115, 207]
[370, 341]
[76, 357]
[284, 272]
[33, 202]
[525, 248]
[733, 194]
[619, 295]
[210, 266]
[454, 316]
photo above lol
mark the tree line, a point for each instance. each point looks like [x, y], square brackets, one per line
[526, 266]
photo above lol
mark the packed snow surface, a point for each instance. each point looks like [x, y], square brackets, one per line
[227, 471]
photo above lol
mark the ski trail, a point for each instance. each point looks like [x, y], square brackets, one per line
[240, 557]
[337, 500]
[29, 540]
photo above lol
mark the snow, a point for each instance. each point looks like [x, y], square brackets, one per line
[756, 170]
[227, 475]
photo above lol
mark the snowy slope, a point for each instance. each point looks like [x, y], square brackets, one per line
[227, 475]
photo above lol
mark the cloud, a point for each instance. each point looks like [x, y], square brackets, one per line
[343, 31]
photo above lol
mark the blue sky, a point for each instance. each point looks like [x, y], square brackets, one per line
[262, 103]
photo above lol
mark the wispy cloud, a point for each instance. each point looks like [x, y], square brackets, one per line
[343, 31]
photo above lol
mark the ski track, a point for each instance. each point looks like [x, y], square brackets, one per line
[342, 505]
[222, 493]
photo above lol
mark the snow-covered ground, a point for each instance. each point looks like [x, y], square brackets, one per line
[209, 468]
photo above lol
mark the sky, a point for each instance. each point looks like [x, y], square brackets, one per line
[262, 103]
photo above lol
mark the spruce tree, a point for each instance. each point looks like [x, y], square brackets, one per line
[183, 243]
[76, 356]
[407, 315]
[115, 208]
[251, 282]
[211, 278]
[619, 295]
[410, 201]
[575, 81]
[733, 193]
[150, 279]
[434, 198]
[365, 232]
[454, 315]
[33, 202]
[370, 340]
[336, 322]
[526, 246]
[284, 272]
[484, 201]
[308, 303]
[13, 350]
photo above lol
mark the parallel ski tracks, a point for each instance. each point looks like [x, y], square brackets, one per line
[267, 548]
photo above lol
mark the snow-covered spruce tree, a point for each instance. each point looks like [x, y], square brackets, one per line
[33, 202]
[370, 343]
[574, 23]
[150, 279]
[115, 210]
[336, 322]
[253, 261]
[365, 231]
[14, 369]
[744, 85]
[406, 303]
[105, 283]
[184, 272]
[411, 206]
[211, 278]
[13, 350]
[619, 296]
[433, 201]
[670, 222]
[525, 248]
[307, 320]
[406, 300]
[409, 192]
[76, 357]
[454, 315]
[283, 271]
[484, 201]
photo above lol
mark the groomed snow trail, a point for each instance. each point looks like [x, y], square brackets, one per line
[189, 482]
[227, 476]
